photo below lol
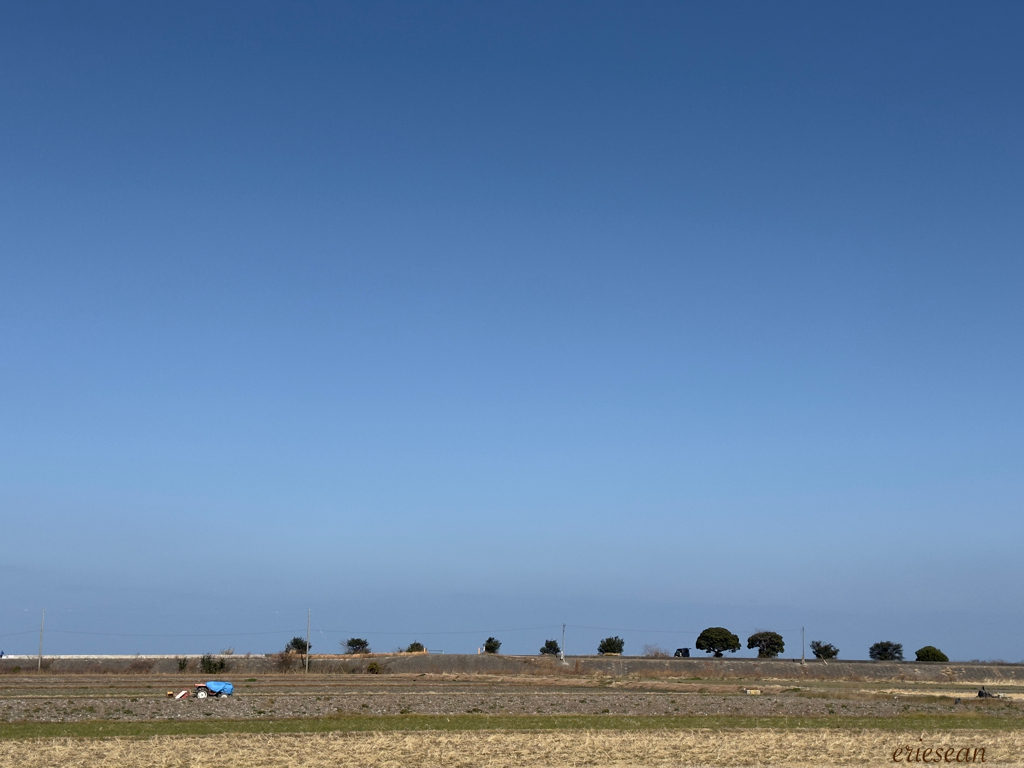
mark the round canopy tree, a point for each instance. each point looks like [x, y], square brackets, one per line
[931, 653]
[824, 651]
[768, 644]
[886, 650]
[717, 640]
[611, 645]
[357, 645]
[491, 645]
[550, 648]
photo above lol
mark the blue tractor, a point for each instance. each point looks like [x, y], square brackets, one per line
[213, 688]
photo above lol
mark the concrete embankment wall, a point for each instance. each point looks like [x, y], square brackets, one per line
[486, 664]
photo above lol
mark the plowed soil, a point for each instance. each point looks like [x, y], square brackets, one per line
[144, 698]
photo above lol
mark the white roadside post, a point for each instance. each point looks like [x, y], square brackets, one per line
[42, 624]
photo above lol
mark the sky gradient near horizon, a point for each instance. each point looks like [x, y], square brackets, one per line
[442, 318]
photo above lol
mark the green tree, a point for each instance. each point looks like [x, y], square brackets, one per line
[716, 640]
[415, 647]
[886, 651]
[611, 645]
[768, 644]
[357, 645]
[550, 648]
[298, 645]
[491, 645]
[931, 653]
[824, 651]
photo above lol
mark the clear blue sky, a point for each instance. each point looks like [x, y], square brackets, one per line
[471, 317]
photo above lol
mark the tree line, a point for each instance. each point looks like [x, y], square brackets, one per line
[713, 640]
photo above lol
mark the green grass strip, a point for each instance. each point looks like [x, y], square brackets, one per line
[125, 729]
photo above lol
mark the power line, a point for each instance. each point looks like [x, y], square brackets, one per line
[134, 634]
[278, 632]
[625, 629]
[364, 632]
[655, 631]
[425, 634]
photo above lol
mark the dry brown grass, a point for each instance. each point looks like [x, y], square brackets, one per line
[505, 749]
[656, 652]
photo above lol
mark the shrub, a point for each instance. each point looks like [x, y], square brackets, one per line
[182, 663]
[229, 651]
[931, 653]
[373, 668]
[491, 645]
[283, 661]
[140, 666]
[716, 640]
[768, 644]
[210, 665]
[415, 647]
[298, 645]
[550, 648]
[886, 651]
[656, 652]
[357, 645]
[611, 645]
[824, 651]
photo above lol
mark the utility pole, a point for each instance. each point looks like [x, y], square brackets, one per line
[803, 658]
[309, 612]
[41, 625]
[563, 645]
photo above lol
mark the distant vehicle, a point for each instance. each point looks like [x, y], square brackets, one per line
[682, 653]
[214, 688]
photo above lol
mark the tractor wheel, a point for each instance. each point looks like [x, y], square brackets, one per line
[222, 695]
[202, 693]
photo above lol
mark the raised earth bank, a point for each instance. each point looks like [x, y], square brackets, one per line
[487, 664]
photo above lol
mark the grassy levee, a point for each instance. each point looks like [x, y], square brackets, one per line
[991, 673]
[410, 723]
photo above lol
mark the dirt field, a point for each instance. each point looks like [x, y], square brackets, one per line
[513, 749]
[143, 698]
[460, 721]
